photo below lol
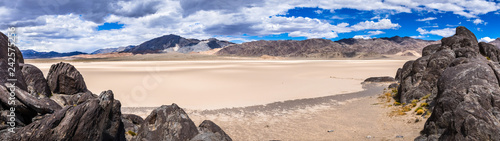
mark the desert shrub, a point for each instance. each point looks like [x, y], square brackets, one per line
[406, 108]
[420, 111]
[488, 58]
[419, 108]
[414, 103]
[132, 133]
[397, 103]
[424, 105]
[426, 96]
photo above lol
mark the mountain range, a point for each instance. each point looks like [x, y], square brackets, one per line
[310, 48]
[323, 48]
[32, 54]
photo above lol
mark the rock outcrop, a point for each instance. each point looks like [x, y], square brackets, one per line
[464, 88]
[131, 123]
[63, 78]
[36, 83]
[95, 119]
[209, 131]
[168, 122]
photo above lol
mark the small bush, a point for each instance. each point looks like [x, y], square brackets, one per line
[420, 111]
[419, 108]
[488, 58]
[426, 96]
[406, 108]
[132, 133]
[414, 103]
[424, 105]
[397, 103]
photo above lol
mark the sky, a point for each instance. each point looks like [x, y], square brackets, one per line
[88, 25]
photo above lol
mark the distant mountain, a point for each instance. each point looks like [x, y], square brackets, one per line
[111, 50]
[496, 42]
[323, 48]
[175, 43]
[31, 54]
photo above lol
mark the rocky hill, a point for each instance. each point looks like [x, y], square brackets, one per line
[111, 50]
[60, 107]
[175, 43]
[496, 42]
[31, 54]
[461, 78]
[322, 48]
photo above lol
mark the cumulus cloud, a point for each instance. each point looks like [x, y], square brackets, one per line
[478, 21]
[426, 19]
[370, 33]
[486, 39]
[446, 32]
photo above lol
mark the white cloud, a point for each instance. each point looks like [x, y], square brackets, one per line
[361, 37]
[478, 21]
[370, 33]
[427, 19]
[381, 24]
[318, 11]
[486, 39]
[446, 32]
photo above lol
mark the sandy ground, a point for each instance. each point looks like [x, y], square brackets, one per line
[227, 83]
[260, 99]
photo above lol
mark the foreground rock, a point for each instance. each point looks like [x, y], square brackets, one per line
[36, 83]
[465, 85]
[131, 124]
[63, 78]
[209, 131]
[95, 119]
[170, 122]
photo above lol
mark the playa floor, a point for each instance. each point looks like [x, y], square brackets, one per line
[260, 99]
[227, 83]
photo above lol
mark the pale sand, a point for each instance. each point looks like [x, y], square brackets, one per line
[335, 99]
[227, 83]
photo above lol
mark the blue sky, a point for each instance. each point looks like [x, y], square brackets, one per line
[87, 25]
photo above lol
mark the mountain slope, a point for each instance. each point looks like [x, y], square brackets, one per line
[175, 43]
[323, 48]
[111, 50]
[31, 54]
[496, 42]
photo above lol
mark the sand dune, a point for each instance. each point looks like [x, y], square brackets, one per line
[227, 83]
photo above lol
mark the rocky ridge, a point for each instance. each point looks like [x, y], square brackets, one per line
[323, 48]
[60, 107]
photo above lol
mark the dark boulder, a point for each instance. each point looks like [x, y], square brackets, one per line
[94, 119]
[168, 122]
[393, 86]
[40, 105]
[419, 78]
[78, 98]
[464, 88]
[63, 78]
[10, 60]
[380, 79]
[467, 104]
[209, 131]
[36, 83]
[131, 123]
[490, 51]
